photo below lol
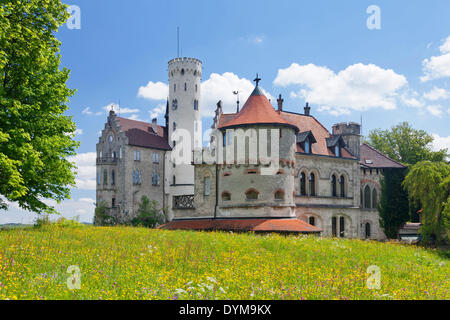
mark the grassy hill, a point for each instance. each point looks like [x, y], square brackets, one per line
[135, 263]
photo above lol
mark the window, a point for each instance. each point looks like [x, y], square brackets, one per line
[367, 233]
[230, 137]
[196, 88]
[224, 139]
[155, 179]
[137, 177]
[185, 86]
[137, 155]
[307, 146]
[182, 72]
[341, 227]
[174, 180]
[333, 186]
[100, 155]
[279, 195]
[174, 87]
[155, 157]
[99, 177]
[174, 125]
[110, 138]
[105, 177]
[114, 155]
[226, 196]
[252, 171]
[120, 153]
[252, 194]
[337, 150]
[207, 183]
[312, 221]
[342, 185]
[367, 203]
[113, 177]
[113, 202]
[374, 198]
[312, 184]
[195, 104]
[334, 226]
[303, 184]
[174, 104]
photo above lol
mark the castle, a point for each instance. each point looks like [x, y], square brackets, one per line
[265, 169]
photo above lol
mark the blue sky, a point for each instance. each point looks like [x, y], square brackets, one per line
[319, 51]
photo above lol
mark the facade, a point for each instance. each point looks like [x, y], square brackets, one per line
[264, 167]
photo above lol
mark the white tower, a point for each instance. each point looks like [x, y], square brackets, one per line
[184, 117]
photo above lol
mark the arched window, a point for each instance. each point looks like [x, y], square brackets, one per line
[367, 202]
[226, 196]
[252, 194]
[303, 184]
[342, 185]
[312, 184]
[312, 221]
[105, 177]
[334, 186]
[367, 227]
[207, 184]
[279, 195]
[374, 198]
[182, 72]
[341, 227]
[174, 104]
[334, 226]
[113, 177]
[195, 104]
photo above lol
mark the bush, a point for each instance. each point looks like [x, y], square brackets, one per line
[101, 217]
[149, 215]
[42, 221]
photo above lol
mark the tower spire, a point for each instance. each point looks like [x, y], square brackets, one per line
[257, 79]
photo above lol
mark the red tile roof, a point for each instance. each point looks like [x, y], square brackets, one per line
[141, 134]
[257, 110]
[309, 123]
[257, 225]
[372, 158]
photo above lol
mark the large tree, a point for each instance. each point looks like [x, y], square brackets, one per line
[429, 183]
[35, 136]
[405, 144]
[393, 205]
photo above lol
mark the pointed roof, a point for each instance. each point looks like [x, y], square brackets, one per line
[257, 110]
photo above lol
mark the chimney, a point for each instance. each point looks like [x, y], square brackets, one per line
[155, 125]
[307, 109]
[280, 103]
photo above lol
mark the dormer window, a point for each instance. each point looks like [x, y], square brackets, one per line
[337, 150]
[307, 146]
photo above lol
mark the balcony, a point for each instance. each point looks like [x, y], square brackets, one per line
[107, 160]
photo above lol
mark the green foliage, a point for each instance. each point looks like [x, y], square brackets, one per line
[35, 136]
[405, 144]
[42, 221]
[101, 216]
[393, 206]
[148, 215]
[429, 183]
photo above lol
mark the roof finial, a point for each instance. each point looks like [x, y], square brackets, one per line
[257, 80]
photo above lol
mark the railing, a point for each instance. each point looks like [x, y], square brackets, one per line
[106, 160]
[185, 202]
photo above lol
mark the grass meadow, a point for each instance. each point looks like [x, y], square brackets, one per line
[138, 263]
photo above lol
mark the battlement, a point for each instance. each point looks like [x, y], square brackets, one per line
[182, 66]
[347, 128]
[184, 60]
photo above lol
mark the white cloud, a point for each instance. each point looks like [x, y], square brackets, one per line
[437, 66]
[78, 132]
[154, 91]
[221, 87]
[159, 110]
[440, 143]
[116, 107]
[86, 111]
[435, 110]
[358, 87]
[86, 170]
[437, 94]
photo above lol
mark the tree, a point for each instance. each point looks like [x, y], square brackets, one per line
[148, 215]
[405, 144]
[35, 136]
[393, 206]
[429, 183]
[101, 217]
